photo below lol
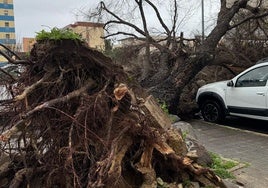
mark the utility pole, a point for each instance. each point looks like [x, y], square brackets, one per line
[203, 32]
[203, 21]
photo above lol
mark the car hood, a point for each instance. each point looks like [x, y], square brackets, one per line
[221, 84]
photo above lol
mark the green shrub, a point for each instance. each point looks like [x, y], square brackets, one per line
[57, 34]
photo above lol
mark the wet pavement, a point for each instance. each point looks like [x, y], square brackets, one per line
[241, 145]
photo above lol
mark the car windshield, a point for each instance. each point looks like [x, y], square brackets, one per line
[254, 78]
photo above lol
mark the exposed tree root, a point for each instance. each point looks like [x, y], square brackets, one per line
[78, 117]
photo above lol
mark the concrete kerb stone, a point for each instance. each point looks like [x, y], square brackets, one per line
[196, 151]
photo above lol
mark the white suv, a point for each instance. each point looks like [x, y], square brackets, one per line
[246, 95]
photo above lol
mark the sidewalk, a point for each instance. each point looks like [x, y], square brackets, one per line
[244, 146]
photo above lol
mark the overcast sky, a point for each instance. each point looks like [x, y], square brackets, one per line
[32, 16]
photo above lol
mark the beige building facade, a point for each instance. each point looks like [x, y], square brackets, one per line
[7, 23]
[27, 44]
[7, 27]
[91, 32]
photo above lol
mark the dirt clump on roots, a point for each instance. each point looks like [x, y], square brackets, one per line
[75, 119]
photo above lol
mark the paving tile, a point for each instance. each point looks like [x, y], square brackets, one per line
[237, 144]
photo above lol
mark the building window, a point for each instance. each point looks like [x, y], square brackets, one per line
[7, 36]
[5, 1]
[6, 12]
[6, 24]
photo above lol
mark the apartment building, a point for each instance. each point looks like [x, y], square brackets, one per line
[27, 44]
[7, 25]
[91, 32]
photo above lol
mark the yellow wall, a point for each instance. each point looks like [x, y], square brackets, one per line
[8, 1]
[90, 32]
[10, 12]
[92, 35]
[11, 23]
[27, 44]
[7, 33]
[3, 59]
[3, 35]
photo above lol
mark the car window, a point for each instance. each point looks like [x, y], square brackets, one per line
[255, 78]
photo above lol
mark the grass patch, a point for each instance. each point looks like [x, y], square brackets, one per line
[164, 107]
[221, 166]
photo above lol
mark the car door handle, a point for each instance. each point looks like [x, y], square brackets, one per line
[261, 93]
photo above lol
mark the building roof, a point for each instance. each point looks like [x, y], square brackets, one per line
[85, 24]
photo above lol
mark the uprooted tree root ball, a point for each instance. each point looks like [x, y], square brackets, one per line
[75, 119]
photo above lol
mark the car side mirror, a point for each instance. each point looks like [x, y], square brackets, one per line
[230, 83]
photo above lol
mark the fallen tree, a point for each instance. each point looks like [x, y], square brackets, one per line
[167, 74]
[75, 119]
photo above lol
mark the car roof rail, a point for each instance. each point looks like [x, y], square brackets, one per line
[263, 60]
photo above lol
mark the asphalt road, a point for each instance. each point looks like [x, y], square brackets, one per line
[240, 144]
[247, 124]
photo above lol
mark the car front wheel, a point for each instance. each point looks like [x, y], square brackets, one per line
[212, 111]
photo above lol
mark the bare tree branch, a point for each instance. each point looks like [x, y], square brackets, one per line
[223, 3]
[263, 29]
[249, 18]
[120, 21]
[225, 16]
[158, 16]
[8, 74]
[123, 33]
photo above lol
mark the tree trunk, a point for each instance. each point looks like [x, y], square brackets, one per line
[185, 68]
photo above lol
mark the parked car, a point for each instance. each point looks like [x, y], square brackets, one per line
[246, 95]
